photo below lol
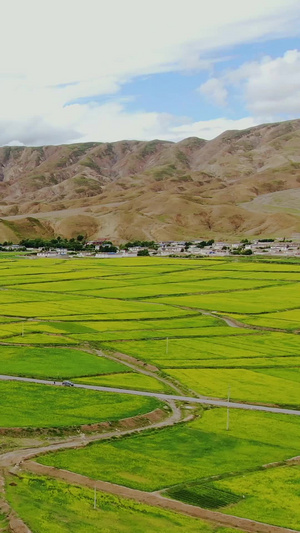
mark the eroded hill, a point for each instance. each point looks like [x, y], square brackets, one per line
[241, 183]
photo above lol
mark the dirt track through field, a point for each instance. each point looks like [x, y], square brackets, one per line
[16, 525]
[155, 499]
[15, 457]
[11, 460]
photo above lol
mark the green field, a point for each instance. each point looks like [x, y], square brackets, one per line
[289, 320]
[261, 490]
[279, 297]
[251, 495]
[217, 344]
[165, 312]
[3, 523]
[54, 363]
[32, 405]
[250, 385]
[197, 450]
[130, 380]
[52, 506]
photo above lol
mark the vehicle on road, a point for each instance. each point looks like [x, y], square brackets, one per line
[68, 383]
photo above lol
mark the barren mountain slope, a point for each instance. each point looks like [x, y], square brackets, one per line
[227, 187]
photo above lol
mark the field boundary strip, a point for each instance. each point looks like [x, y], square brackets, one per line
[155, 500]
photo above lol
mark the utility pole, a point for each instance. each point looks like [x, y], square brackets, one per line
[228, 399]
[95, 498]
[167, 346]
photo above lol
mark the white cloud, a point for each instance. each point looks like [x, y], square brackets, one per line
[59, 51]
[209, 129]
[270, 88]
[112, 122]
[215, 91]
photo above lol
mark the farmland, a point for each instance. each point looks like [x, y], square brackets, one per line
[206, 327]
[160, 459]
[38, 499]
[68, 407]
[251, 494]
[54, 363]
[258, 385]
[128, 380]
[260, 489]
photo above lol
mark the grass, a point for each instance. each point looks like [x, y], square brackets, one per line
[191, 321]
[157, 333]
[213, 347]
[133, 306]
[258, 492]
[197, 450]
[131, 380]
[250, 385]
[54, 506]
[203, 495]
[147, 291]
[3, 523]
[54, 363]
[265, 299]
[286, 320]
[73, 305]
[39, 338]
[28, 405]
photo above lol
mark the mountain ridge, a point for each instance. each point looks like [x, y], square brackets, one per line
[155, 189]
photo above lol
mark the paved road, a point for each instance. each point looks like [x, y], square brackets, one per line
[167, 397]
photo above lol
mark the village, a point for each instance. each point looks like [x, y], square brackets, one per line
[103, 248]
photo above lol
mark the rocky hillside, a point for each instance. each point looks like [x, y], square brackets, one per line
[241, 183]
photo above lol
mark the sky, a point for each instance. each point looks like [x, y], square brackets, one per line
[105, 71]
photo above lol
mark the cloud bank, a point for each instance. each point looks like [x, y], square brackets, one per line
[59, 57]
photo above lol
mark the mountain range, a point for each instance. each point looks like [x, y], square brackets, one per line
[242, 183]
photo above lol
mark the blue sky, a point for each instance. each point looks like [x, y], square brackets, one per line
[134, 69]
[176, 92]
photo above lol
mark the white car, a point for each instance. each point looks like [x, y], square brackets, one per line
[68, 383]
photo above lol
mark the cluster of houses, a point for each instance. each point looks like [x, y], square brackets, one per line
[276, 247]
[182, 248]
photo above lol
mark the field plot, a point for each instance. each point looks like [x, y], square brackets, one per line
[38, 499]
[158, 333]
[252, 301]
[262, 265]
[129, 380]
[214, 347]
[247, 385]
[54, 363]
[74, 305]
[152, 312]
[191, 321]
[40, 339]
[160, 459]
[258, 491]
[148, 291]
[251, 495]
[287, 320]
[160, 311]
[27, 405]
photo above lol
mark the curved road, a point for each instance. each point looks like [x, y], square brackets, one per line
[164, 397]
